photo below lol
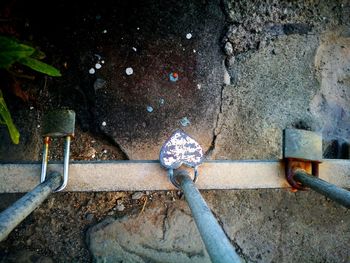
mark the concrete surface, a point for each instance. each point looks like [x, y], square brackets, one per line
[149, 176]
[162, 48]
[272, 90]
[264, 226]
[286, 65]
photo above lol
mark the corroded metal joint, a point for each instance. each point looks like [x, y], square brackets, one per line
[302, 150]
[293, 165]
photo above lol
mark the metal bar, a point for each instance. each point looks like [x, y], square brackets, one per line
[331, 191]
[16, 213]
[148, 175]
[65, 164]
[45, 159]
[216, 242]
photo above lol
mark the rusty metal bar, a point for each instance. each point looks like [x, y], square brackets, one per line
[216, 242]
[331, 191]
[16, 213]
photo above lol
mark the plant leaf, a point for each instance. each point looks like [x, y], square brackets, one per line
[38, 55]
[40, 66]
[11, 51]
[6, 116]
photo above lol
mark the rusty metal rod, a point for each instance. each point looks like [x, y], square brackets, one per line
[331, 191]
[216, 242]
[17, 212]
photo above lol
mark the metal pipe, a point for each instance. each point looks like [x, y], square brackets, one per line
[16, 213]
[331, 191]
[216, 242]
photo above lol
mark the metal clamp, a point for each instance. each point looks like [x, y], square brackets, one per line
[302, 150]
[60, 123]
[172, 177]
[180, 149]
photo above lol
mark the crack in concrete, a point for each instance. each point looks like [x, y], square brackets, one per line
[224, 8]
[99, 134]
[176, 251]
[217, 129]
[106, 139]
[165, 219]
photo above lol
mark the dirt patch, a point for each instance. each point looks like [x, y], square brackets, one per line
[57, 228]
[270, 51]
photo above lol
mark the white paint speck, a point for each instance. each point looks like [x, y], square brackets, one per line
[102, 61]
[93, 156]
[149, 108]
[38, 126]
[185, 121]
[129, 71]
[104, 151]
[31, 107]
[104, 31]
[98, 66]
[188, 35]
[194, 51]
[92, 71]
[199, 86]
[134, 48]
[138, 28]
[104, 123]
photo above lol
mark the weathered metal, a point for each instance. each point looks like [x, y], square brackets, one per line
[302, 145]
[331, 191]
[59, 123]
[303, 153]
[181, 149]
[216, 242]
[302, 149]
[17, 212]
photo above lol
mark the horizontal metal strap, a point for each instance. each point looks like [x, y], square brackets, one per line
[148, 175]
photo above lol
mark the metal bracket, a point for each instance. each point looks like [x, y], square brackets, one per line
[59, 123]
[302, 150]
[180, 149]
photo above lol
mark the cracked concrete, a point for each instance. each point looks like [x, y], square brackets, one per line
[288, 67]
[165, 232]
[272, 90]
[264, 226]
[196, 95]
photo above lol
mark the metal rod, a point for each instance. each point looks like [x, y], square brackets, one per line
[216, 242]
[16, 213]
[331, 191]
[65, 164]
[45, 159]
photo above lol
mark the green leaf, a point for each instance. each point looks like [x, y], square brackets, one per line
[11, 51]
[6, 116]
[38, 55]
[40, 66]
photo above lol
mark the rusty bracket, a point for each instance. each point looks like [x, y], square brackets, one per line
[302, 150]
[58, 123]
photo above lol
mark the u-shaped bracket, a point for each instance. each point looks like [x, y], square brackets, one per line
[59, 123]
